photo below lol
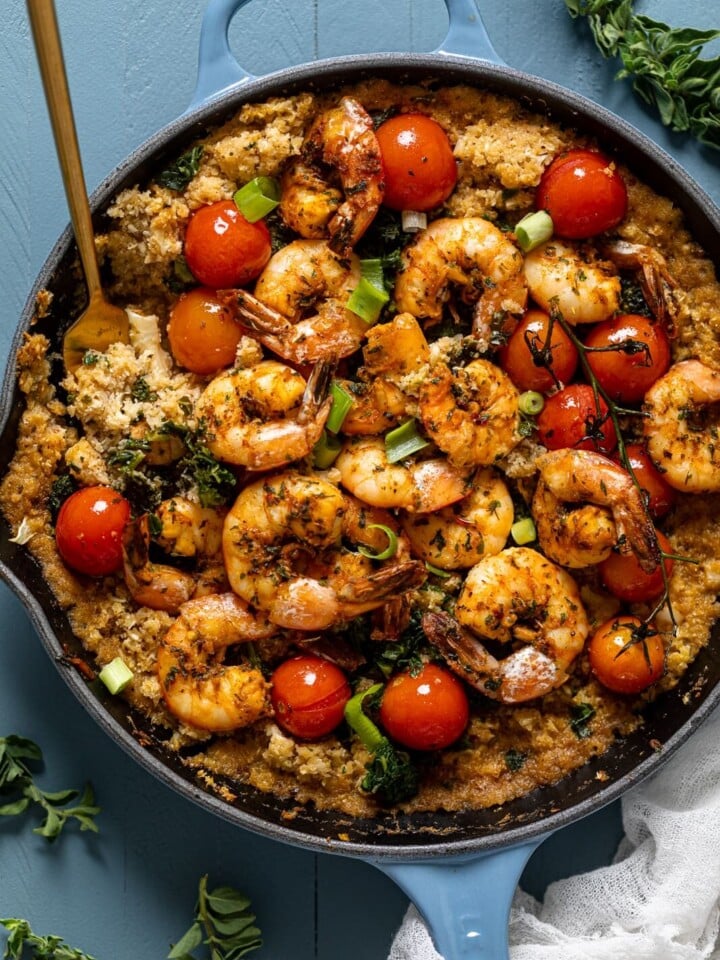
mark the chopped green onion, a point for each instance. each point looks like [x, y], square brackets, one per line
[325, 451]
[391, 548]
[116, 675]
[533, 230]
[372, 270]
[523, 531]
[403, 441]
[367, 300]
[436, 571]
[531, 403]
[341, 403]
[413, 220]
[257, 198]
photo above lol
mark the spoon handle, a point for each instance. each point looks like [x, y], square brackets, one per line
[46, 36]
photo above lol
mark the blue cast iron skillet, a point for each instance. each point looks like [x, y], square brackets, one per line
[461, 869]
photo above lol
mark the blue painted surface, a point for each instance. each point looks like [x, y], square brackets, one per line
[130, 891]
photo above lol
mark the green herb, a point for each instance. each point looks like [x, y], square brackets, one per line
[223, 922]
[141, 392]
[179, 174]
[61, 489]
[580, 716]
[19, 791]
[632, 299]
[90, 358]
[128, 455]
[664, 63]
[515, 760]
[215, 483]
[44, 948]
[405, 653]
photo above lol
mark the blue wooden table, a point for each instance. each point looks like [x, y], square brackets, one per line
[130, 891]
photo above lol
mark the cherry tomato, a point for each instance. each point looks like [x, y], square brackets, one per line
[222, 249]
[623, 668]
[202, 333]
[88, 530]
[583, 193]
[661, 496]
[420, 170]
[518, 359]
[625, 578]
[428, 711]
[309, 696]
[626, 376]
[570, 419]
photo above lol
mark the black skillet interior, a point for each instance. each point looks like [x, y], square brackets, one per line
[667, 722]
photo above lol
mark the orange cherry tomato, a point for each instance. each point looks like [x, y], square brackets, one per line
[626, 374]
[625, 578]
[420, 170]
[427, 711]
[583, 193]
[625, 656]
[660, 495]
[202, 333]
[529, 364]
[222, 248]
[309, 696]
[88, 530]
[572, 418]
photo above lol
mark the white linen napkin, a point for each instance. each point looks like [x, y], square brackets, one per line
[658, 900]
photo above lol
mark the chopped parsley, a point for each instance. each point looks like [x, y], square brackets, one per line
[179, 174]
[580, 716]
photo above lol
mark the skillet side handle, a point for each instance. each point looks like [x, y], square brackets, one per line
[217, 67]
[467, 36]
[465, 902]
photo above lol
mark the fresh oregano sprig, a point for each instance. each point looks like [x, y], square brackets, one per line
[223, 922]
[44, 948]
[19, 791]
[664, 63]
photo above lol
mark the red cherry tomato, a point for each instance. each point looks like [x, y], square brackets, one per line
[570, 418]
[309, 696]
[518, 360]
[222, 248]
[661, 496]
[428, 711]
[623, 668]
[202, 333]
[583, 193]
[88, 530]
[420, 170]
[626, 376]
[625, 578]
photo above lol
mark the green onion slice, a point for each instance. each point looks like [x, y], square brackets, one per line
[391, 548]
[341, 403]
[523, 531]
[533, 230]
[403, 441]
[116, 675]
[413, 220]
[367, 300]
[257, 198]
[436, 571]
[531, 403]
[326, 450]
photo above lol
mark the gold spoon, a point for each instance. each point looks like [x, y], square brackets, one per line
[102, 323]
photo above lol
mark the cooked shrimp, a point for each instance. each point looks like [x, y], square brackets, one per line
[468, 252]
[159, 586]
[417, 486]
[682, 426]
[283, 554]
[570, 279]
[460, 535]
[515, 596]
[298, 309]
[586, 477]
[396, 349]
[656, 281]
[265, 416]
[187, 529]
[377, 406]
[308, 202]
[197, 686]
[342, 139]
[472, 413]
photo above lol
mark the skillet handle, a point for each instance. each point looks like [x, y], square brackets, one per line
[218, 69]
[465, 902]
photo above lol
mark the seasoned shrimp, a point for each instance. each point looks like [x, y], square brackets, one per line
[585, 536]
[342, 139]
[472, 413]
[283, 554]
[378, 405]
[396, 349]
[265, 416]
[418, 486]
[460, 535]
[682, 426]
[188, 529]
[298, 309]
[570, 279]
[515, 596]
[656, 281]
[198, 688]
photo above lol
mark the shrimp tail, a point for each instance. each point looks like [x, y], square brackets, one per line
[318, 387]
[252, 313]
[637, 535]
[385, 584]
[465, 655]
[153, 585]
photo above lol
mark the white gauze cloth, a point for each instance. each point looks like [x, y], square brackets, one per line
[658, 900]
